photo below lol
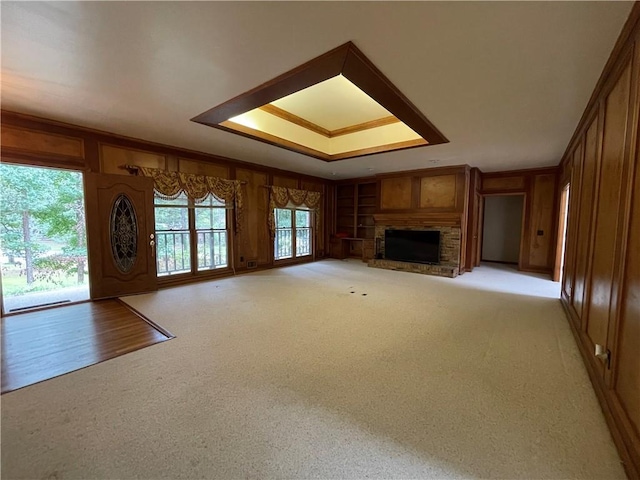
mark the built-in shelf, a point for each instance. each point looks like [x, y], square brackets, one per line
[356, 205]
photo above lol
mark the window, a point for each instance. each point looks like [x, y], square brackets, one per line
[211, 229]
[190, 237]
[293, 237]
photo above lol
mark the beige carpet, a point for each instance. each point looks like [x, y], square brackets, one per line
[286, 374]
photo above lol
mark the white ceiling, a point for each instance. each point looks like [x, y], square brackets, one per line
[506, 82]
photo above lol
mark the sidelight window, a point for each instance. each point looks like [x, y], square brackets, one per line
[211, 231]
[173, 238]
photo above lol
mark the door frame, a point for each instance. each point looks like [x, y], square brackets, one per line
[561, 240]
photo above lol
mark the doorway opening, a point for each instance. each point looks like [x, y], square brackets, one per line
[558, 271]
[43, 238]
[502, 228]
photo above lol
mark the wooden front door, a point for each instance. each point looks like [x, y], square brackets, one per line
[120, 235]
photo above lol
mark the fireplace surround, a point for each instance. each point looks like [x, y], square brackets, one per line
[450, 237]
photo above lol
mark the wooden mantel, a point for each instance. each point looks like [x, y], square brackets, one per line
[431, 219]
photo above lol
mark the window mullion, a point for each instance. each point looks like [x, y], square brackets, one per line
[293, 234]
[193, 236]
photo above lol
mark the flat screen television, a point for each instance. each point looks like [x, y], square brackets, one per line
[418, 246]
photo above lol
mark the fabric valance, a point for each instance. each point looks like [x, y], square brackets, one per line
[170, 185]
[281, 197]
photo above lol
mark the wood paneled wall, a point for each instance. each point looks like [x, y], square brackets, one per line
[35, 141]
[601, 281]
[539, 186]
[434, 190]
[474, 221]
[440, 193]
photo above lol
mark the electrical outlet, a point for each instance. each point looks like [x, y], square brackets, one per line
[252, 264]
[241, 259]
[540, 233]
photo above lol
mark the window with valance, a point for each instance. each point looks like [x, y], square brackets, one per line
[290, 221]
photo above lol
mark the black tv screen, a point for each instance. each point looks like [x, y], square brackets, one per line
[419, 246]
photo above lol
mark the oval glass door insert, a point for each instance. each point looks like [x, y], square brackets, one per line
[124, 233]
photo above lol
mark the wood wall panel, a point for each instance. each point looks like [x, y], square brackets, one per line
[288, 182]
[626, 361]
[112, 158]
[312, 186]
[438, 191]
[499, 183]
[396, 193]
[590, 172]
[613, 146]
[42, 143]
[542, 219]
[253, 240]
[573, 211]
[474, 222]
[203, 168]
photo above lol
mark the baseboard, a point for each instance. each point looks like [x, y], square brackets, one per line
[604, 398]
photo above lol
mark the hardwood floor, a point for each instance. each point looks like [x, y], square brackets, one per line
[37, 346]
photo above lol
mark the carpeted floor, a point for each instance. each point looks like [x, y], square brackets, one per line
[287, 374]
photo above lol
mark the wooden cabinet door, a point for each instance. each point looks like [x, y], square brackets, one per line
[120, 235]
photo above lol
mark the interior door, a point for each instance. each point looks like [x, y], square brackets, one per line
[120, 235]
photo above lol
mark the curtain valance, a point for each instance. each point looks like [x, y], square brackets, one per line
[170, 185]
[281, 197]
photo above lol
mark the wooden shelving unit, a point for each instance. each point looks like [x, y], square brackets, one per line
[345, 209]
[355, 206]
[366, 207]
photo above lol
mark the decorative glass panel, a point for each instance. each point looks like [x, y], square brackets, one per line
[124, 234]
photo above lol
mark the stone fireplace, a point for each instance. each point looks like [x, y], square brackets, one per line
[450, 241]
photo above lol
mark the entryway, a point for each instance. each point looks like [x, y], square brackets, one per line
[502, 228]
[43, 239]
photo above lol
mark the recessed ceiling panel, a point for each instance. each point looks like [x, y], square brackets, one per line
[333, 104]
[334, 107]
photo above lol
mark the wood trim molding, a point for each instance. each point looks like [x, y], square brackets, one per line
[301, 122]
[296, 147]
[380, 122]
[295, 119]
[419, 142]
[415, 218]
[249, 132]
